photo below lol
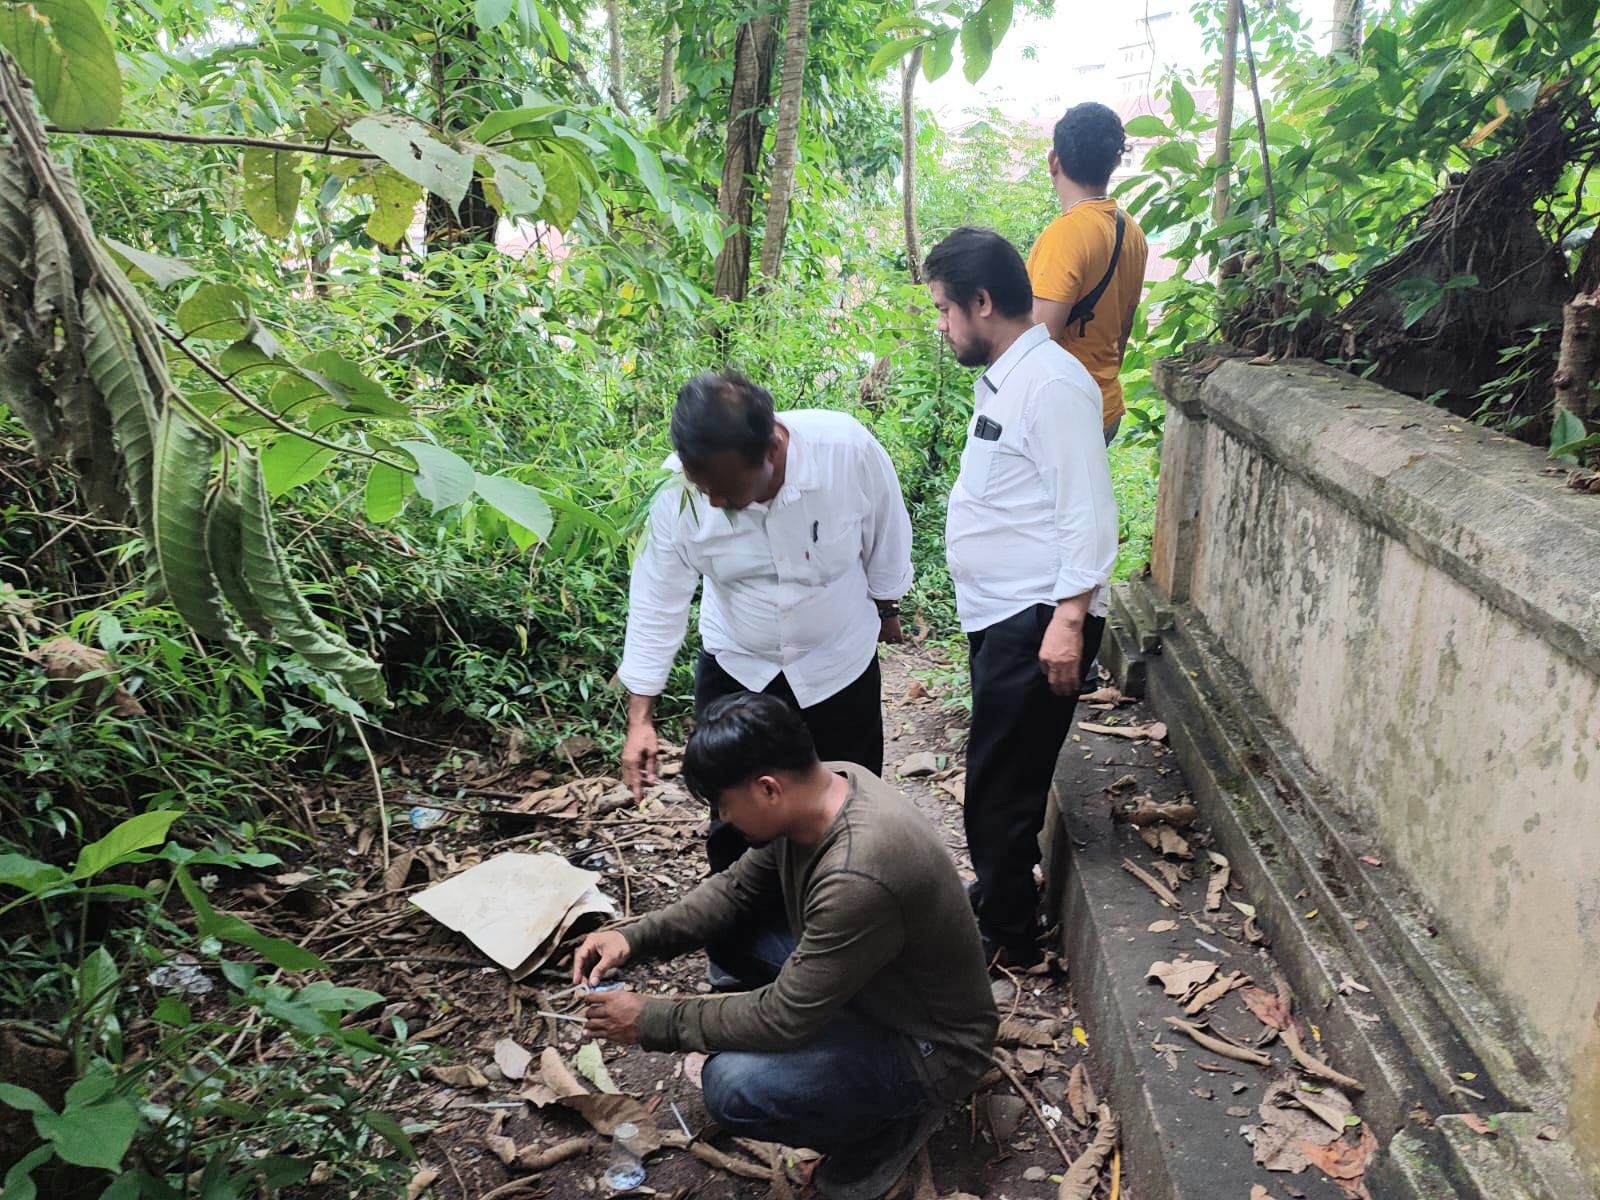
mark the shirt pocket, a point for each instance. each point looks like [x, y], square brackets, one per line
[834, 551]
[978, 466]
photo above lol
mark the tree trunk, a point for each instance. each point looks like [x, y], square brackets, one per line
[1348, 26]
[908, 164]
[1222, 157]
[751, 89]
[1580, 357]
[667, 87]
[614, 34]
[786, 137]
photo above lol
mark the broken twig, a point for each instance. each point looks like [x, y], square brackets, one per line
[1217, 1046]
[1151, 882]
[1315, 1066]
[1023, 1091]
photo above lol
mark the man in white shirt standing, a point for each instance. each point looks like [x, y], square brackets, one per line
[1031, 540]
[804, 560]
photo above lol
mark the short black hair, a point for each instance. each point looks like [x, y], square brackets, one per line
[971, 258]
[1089, 143]
[718, 412]
[743, 737]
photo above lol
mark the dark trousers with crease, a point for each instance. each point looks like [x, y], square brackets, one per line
[1018, 727]
[847, 727]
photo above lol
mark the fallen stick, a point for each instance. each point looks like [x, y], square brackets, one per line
[1151, 882]
[727, 1162]
[1216, 992]
[1179, 816]
[1217, 1046]
[539, 1160]
[1022, 1090]
[1083, 1176]
[1315, 1066]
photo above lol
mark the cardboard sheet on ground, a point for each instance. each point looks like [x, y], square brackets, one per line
[516, 908]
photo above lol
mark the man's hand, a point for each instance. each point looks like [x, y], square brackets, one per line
[597, 955]
[889, 631]
[615, 1016]
[639, 750]
[1061, 652]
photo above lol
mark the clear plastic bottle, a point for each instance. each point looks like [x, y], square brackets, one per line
[625, 1170]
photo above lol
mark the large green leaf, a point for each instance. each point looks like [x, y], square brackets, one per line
[217, 312]
[64, 47]
[518, 181]
[443, 477]
[977, 45]
[349, 386]
[120, 375]
[135, 834]
[281, 602]
[29, 874]
[225, 552]
[184, 464]
[415, 150]
[272, 182]
[490, 13]
[1567, 436]
[941, 53]
[386, 492]
[161, 270]
[517, 502]
[291, 461]
[94, 1135]
[18, 1184]
[210, 923]
[339, 10]
[394, 205]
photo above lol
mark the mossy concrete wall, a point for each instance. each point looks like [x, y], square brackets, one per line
[1418, 600]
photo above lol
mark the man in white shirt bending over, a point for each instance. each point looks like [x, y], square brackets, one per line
[804, 562]
[1031, 539]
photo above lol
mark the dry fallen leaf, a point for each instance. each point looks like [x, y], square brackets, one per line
[1330, 1104]
[1162, 926]
[511, 1058]
[1343, 1162]
[67, 661]
[464, 1076]
[1083, 1176]
[1181, 978]
[1257, 1192]
[421, 1182]
[502, 1147]
[1269, 1010]
[1472, 1121]
[1031, 1061]
[1080, 1095]
[1156, 731]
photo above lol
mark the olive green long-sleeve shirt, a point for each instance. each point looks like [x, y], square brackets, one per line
[885, 934]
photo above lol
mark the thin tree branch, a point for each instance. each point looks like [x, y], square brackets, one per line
[219, 139]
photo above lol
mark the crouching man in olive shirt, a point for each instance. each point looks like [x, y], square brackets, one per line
[875, 1017]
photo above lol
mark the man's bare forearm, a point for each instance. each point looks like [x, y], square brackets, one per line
[641, 709]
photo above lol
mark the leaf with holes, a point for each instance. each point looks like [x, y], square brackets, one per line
[272, 182]
[64, 47]
[415, 150]
[217, 312]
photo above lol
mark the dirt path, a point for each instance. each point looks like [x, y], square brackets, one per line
[468, 1114]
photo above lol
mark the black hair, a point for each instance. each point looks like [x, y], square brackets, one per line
[722, 412]
[970, 258]
[1089, 143]
[743, 737]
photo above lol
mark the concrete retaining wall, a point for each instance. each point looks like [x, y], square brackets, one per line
[1418, 601]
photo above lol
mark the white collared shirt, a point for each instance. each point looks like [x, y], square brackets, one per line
[789, 585]
[1032, 517]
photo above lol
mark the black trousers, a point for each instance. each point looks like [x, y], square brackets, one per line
[1018, 727]
[847, 727]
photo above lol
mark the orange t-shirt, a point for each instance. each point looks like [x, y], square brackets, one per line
[1066, 263]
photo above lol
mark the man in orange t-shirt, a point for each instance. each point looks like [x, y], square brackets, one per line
[1073, 254]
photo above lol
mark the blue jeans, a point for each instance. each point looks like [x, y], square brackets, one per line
[857, 1092]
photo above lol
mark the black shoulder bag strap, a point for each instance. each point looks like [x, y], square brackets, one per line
[1083, 311]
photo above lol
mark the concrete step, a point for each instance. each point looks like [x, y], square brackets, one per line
[1426, 1023]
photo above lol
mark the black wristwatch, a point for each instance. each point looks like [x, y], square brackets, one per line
[887, 609]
